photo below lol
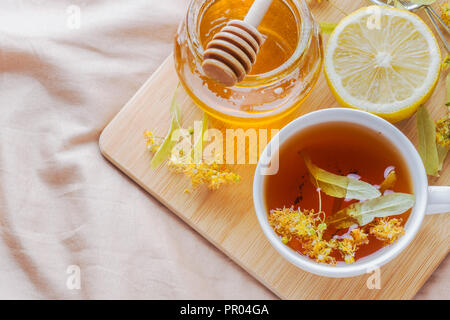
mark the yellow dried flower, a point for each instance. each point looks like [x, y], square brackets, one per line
[150, 141]
[359, 236]
[387, 229]
[212, 174]
[445, 63]
[443, 132]
[349, 258]
[445, 13]
[349, 246]
[308, 227]
[288, 222]
[320, 250]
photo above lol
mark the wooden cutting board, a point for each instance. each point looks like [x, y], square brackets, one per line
[226, 217]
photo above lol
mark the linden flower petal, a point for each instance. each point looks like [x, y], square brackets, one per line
[359, 236]
[285, 240]
[150, 141]
[445, 13]
[211, 174]
[446, 62]
[388, 230]
[443, 132]
[349, 259]
[349, 246]
[307, 226]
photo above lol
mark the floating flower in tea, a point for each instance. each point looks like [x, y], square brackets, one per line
[387, 229]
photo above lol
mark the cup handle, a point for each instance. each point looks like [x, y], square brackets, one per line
[438, 199]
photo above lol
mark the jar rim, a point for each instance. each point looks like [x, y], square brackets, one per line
[304, 26]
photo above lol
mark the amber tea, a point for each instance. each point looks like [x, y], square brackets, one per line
[342, 192]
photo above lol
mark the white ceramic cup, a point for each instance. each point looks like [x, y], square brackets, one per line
[429, 200]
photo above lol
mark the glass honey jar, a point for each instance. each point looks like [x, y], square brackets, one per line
[286, 70]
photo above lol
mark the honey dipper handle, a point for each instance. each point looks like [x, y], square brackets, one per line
[230, 55]
[257, 12]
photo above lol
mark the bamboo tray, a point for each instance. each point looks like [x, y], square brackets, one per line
[226, 217]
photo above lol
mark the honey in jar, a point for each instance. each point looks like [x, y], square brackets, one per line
[286, 69]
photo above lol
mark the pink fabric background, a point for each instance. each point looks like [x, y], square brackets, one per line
[61, 202]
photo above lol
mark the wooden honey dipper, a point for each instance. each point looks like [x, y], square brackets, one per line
[230, 55]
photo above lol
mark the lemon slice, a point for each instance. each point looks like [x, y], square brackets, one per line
[382, 60]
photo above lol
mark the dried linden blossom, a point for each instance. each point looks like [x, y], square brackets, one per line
[308, 227]
[443, 132]
[446, 62]
[388, 230]
[288, 222]
[349, 246]
[212, 174]
[445, 13]
[150, 141]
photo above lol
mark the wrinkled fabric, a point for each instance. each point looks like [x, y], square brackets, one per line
[66, 68]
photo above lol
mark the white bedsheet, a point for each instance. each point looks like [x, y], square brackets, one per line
[61, 203]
